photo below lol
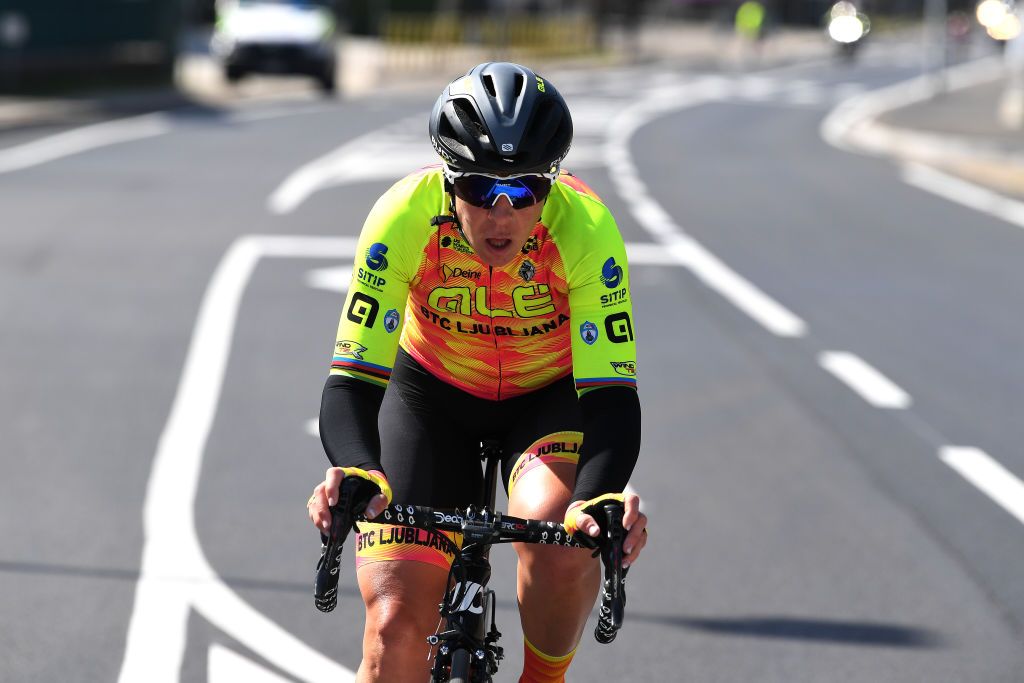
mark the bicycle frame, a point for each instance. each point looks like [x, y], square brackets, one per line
[467, 625]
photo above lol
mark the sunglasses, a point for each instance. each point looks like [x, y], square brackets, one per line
[483, 191]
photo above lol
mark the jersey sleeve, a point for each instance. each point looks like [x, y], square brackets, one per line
[388, 257]
[603, 345]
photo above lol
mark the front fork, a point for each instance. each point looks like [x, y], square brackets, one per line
[471, 625]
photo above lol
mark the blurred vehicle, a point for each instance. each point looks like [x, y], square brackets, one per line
[276, 37]
[847, 27]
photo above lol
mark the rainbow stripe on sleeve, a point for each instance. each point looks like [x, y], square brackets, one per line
[588, 383]
[360, 369]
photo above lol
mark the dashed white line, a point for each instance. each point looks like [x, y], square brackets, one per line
[869, 383]
[997, 482]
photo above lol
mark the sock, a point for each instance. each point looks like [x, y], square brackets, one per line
[541, 668]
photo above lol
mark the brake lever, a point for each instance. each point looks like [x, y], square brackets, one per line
[354, 495]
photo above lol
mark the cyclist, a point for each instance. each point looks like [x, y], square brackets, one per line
[489, 299]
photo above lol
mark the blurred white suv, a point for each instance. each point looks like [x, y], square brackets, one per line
[276, 37]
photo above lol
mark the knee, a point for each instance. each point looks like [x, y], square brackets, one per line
[568, 566]
[394, 629]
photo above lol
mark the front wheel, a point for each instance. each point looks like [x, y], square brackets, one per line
[461, 659]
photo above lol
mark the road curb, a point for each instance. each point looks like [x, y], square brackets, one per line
[855, 126]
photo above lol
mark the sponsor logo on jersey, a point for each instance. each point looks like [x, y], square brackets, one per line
[527, 270]
[391, 320]
[531, 245]
[619, 327]
[449, 242]
[507, 147]
[588, 332]
[612, 298]
[346, 347]
[375, 259]
[447, 273]
[627, 368]
[611, 274]
[362, 309]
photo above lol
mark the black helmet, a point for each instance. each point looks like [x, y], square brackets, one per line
[501, 118]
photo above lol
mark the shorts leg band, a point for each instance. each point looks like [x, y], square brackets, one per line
[557, 447]
[385, 542]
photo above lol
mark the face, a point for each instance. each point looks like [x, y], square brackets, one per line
[499, 232]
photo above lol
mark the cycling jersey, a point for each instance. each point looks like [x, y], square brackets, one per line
[561, 306]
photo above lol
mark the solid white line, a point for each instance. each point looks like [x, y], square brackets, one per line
[684, 249]
[963, 192]
[175, 575]
[227, 666]
[979, 468]
[873, 386]
[81, 140]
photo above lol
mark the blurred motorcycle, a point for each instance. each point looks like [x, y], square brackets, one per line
[847, 27]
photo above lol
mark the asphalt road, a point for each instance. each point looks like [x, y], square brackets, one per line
[168, 303]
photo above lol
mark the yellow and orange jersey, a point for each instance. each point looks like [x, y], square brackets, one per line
[562, 305]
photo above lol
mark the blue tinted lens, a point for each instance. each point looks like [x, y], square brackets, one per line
[483, 191]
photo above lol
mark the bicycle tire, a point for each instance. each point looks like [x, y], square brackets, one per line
[461, 659]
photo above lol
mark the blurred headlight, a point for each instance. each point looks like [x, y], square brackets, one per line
[1008, 28]
[991, 12]
[846, 29]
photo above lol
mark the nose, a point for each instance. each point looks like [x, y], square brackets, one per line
[501, 209]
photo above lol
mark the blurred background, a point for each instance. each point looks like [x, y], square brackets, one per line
[67, 45]
[822, 205]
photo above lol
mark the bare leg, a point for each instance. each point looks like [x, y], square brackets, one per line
[557, 586]
[401, 611]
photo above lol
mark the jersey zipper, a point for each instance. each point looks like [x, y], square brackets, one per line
[494, 335]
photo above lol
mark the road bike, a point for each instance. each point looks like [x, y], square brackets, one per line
[466, 646]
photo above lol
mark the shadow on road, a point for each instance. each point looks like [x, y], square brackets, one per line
[235, 582]
[842, 632]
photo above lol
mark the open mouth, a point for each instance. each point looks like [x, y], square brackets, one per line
[498, 244]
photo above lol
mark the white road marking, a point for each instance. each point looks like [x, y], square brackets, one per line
[997, 482]
[869, 383]
[313, 427]
[683, 248]
[334, 279]
[175, 576]
[383, 154]
[963, 192]
[851, 125]
[227, 666]
[81, 140]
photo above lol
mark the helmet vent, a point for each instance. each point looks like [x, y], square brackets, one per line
[520, 83]
[469, 120]
[489, 84]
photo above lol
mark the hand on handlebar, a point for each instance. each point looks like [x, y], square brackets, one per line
[578, 521]
[326, 494]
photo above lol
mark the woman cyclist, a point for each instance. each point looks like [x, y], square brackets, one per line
[489, 300]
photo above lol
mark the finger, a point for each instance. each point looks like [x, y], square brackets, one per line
[376, 506]
[635, 541]
[587, 525]
[332, 481]
[318, 510]
[632, 505]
